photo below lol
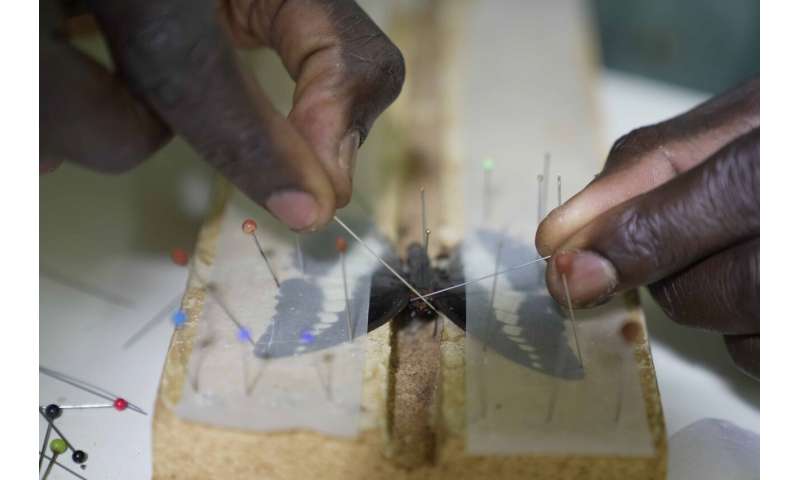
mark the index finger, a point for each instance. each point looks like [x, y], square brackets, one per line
[179, 60]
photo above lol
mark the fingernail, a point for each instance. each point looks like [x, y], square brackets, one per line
[590, 277]
[298, 210]
[348, 151]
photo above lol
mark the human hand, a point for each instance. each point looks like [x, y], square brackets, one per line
[177, 72]
[676, 208]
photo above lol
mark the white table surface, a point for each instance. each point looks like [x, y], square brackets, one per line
[115, 233]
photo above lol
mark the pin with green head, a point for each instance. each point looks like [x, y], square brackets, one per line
[58, 446]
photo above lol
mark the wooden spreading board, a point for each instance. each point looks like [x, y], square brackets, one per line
[509, 82]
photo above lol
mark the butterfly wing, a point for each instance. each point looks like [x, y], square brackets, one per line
[388, 295]
[513, 313]
[452, 303]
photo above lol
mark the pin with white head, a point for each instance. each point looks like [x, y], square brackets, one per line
[558, 189]
[488, 167]
[249, 227]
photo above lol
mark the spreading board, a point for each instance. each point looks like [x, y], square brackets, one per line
[517, 395]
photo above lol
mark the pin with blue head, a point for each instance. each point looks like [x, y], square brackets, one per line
[244, 335]
[179, 318]
[306, 337]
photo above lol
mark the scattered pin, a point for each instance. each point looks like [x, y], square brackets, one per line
[341, 247]
[249, 227]
[79, 456]
[179, 257]
[120, 404]
[76, 474]
[58, 441]
[89, 388]
[57, 446]
[88, 406]
[572, 319]
[52, 412]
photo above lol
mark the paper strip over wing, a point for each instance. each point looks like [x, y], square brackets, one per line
[304, 372]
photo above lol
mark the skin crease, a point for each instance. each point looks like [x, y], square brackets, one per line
[677, 209]
[176, 71]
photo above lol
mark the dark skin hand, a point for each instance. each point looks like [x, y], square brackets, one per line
[177, 73]
[676, 208]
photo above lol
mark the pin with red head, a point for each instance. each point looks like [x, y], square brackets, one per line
[179, 256]
[249, 227]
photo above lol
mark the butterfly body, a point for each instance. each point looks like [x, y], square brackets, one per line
[389, 296]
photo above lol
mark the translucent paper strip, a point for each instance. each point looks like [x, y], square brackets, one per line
[303, 372]
[527, 392]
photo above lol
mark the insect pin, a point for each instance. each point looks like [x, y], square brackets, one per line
[341, 247]
[249, 227]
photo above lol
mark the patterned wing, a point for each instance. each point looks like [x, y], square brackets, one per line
[513, 313]
[312, 311]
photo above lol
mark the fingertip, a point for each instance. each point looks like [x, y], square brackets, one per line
[299, 210]
[581, 277]
[543, 240]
